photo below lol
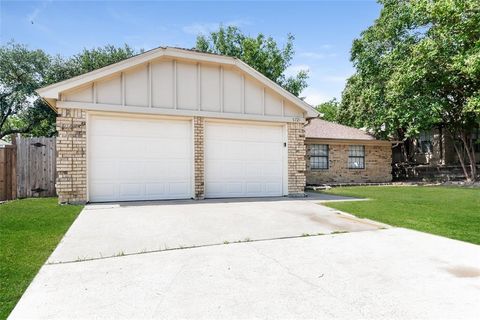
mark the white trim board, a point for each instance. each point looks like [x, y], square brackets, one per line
[172, 112]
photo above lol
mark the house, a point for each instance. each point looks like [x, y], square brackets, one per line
[172, 123]
[432, 156]
[341, 154]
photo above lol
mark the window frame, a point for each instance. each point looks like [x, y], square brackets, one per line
[425, 138]
[326, 157]
[350, 156]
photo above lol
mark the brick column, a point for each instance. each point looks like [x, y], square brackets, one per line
[71, 181]
[199, 165]
[296, 159]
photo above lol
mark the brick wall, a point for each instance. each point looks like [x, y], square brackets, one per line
[199, 131]
[71, 181]
[296, 159]
[378, 168]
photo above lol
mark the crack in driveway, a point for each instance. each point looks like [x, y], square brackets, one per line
[199, 246]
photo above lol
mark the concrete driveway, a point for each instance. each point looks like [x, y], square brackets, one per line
[376, 273]
[106, 230]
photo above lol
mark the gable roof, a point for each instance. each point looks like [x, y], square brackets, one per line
[322, 129]
[51, 93]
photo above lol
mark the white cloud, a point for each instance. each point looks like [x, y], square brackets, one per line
[34, 17]
[334, 78]
[317, 55]
[315, 97]
[207, 27]
[294, 69]
[200, 28]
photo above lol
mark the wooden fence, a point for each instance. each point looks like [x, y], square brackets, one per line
[36, 169]
[8, 179]
[28, 169]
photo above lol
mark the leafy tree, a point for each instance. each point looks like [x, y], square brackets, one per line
[418, 66]
[329, 110]
[22, 71]
[260, 52]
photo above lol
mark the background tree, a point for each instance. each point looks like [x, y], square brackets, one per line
[260, 52]
[22, 71]
[329, 110]
[418, 66]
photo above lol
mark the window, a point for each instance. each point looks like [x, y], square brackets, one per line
[425, 142]
[319, 156]
[356, 157]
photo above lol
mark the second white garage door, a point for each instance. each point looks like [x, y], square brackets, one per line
[243, 160]
[139, 159]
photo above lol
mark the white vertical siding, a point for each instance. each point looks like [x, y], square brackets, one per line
[253, 98]
[136, 87]
[173, 84]
[187, 86]
[162, 84]
[232, 91]
[109, 90]
[210, 88]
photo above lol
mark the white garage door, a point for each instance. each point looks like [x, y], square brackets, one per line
[243, 160]
[138, 159]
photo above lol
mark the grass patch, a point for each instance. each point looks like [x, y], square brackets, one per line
[30, 229]
[451, 212]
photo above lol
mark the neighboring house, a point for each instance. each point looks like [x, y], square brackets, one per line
[341, 154]
[434, 147]
[175, 124]
[432, 156]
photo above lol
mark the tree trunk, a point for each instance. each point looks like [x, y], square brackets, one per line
[462, 163]
[460, 157]
[467, 144]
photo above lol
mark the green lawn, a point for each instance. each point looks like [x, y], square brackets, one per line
[451, 212]
[29, 231]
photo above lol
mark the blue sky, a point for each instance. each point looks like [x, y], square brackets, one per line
[324, 30]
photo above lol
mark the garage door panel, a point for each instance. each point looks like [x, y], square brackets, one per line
[178, 188]
[273, 187]
[156, 170]
[254, 187]
[253, 169]
[243, 160]
[155, 189]
[130, 170]
[103, 191]
[105, 127]
[224, 149]
[272, 151]
[103, 170]
[132, 190]
[234, 189]
[145, 160]
[253, 150]
[177, 169]
[272, 169]
[155, 148]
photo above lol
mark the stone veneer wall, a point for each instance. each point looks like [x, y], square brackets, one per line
[199, 165]
[71, 181]
[378, 166]
[296, 159]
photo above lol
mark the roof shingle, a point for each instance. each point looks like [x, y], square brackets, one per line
[321, 129]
